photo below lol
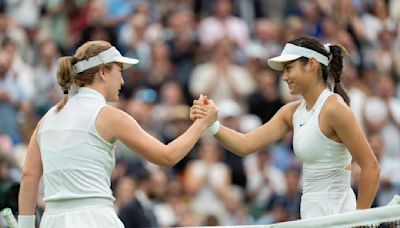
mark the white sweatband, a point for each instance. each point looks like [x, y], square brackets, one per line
[213, 128]
[26, 221]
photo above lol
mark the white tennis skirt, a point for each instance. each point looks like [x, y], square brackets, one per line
[80, 213]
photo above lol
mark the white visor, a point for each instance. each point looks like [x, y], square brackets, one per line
[108, 56]
[292, 52]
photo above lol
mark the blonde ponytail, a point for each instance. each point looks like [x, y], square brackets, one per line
[65, 78]
[66, 75]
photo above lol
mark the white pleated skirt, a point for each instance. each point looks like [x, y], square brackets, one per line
[80, 213]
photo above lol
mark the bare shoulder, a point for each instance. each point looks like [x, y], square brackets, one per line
[335, 106]
[291, 106]
[113, 114]
[112, 120]
[287, 111]
[337, 111]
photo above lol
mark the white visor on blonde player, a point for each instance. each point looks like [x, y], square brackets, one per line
[108, 56]
[292, 52]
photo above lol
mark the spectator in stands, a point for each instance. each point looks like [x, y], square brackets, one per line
[220, 78]
[12, 97]
[206, 180]
[223, 24]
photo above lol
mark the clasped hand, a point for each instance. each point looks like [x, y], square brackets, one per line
[204, 108]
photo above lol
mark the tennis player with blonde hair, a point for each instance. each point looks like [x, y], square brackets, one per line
[72, 147]
[324, 130]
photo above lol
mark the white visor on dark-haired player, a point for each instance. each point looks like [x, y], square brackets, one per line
[110, 55]
[292, 52]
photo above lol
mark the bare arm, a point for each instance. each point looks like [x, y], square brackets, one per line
[349, 132]
[32, 173]
[119, 125]
[270, 132]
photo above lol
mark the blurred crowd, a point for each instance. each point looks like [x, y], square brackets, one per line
[190, 47]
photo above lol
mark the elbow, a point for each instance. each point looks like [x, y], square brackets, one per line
[168, 164]
[168, 160]
[378, 169]
[374, 169]
[29, 181]
[29, 177]
[246, 148]
[250, 148]
[244, 152]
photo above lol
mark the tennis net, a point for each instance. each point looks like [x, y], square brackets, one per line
[380, 217]
[388, 216]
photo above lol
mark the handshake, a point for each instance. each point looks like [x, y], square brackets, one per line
[204, 109]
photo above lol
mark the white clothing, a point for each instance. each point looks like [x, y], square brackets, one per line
[80, 213]
[326, 182]
[77, 164]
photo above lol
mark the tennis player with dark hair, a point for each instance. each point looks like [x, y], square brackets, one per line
[326, 135]
[72, 147]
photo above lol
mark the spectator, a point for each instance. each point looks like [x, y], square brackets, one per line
[382, 115]
[44, 78]
[124, 192]
[207, 180]
[263, 179]
[138, 213]
[236, 209]
[220, 78]
[223, 24]
[265, 101]
[11, 99]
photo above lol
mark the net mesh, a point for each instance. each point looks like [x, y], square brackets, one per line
[381, 217]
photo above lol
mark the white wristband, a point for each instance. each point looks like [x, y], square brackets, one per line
[26, 221]
[213, 128]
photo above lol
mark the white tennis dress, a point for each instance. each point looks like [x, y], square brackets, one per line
[77, 165]
[326, 182]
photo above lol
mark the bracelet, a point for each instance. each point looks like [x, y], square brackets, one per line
[26, 221]
[213, 128]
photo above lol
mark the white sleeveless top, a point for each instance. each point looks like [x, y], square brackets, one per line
[326, 182]
[77, 162]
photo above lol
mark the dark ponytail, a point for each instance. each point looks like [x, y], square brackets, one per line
[335, 71]
[65, 78]
[335, 67]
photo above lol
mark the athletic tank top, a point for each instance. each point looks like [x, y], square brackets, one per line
[326, 182]
[77, 162]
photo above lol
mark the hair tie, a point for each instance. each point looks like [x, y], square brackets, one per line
[327, 47]
[337, 81]
[73, 60]
[66, 92]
